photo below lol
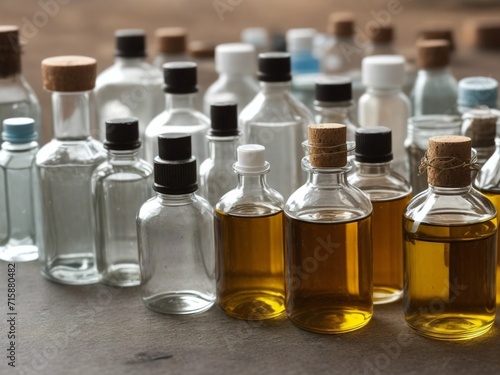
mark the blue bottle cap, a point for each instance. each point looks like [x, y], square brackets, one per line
[19, 130]
[474, 91]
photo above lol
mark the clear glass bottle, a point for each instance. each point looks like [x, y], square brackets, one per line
[277, 121]
[176, 235]
[170, 45]
[249, 241]
[480, 125]
[203, 54]
[477, 91]
[450, 236]
[216, 173]
[381, 39]
[131, 87]
[180, 115]
[389, 194]
[435, 90]
[120, 186]
[258, 37]
[236, 65]
[385, 104]
[19, 190]
[328, 247]
[65, 167]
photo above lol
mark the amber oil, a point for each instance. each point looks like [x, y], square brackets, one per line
[495, 199]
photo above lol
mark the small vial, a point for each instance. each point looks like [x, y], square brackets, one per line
[480, 125]
[175, 231]
[120, 186]
[450, 237]
[216, 173]
[249, 238]
[19, 190]
[170, 45]
[381, 40]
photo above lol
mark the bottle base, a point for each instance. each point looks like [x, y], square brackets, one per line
[18, 253]
[253, 306]
[331, 320]
[179, 303]
[382, 295]
[72, 270]
[122, 275]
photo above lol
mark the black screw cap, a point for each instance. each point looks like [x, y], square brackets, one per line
[274, 67]
[373, 145]
[224, 120]
[180, 77]
[130, 43]
[122, 134]
[333, 89]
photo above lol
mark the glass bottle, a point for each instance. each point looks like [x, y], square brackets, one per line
[65, 167]
[450, 236]
[120, 186]
[175, 230]
[236, 65]
[381, 39]
[203, 54]
[131, 87]
[477, 91]
[258, 37]
[180, 115]
[170, 45]
[480, 125]
[385, 104]
[18, 193]
[435, 90]
[328, 248]
[216, 173]
[249, 240]
[389, 193]
[277, 121]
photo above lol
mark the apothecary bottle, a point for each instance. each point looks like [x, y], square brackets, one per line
[120, 186]
[450, 240]
[328, 227]
[171, 45]
[65, 165]
[249, 238]
[175, 231]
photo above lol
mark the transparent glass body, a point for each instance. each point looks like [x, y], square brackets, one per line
[341, 55]
[279, 122]
[65, 167]
[380, 48]
[305, 71]
[120, 186]
[335, 113]
[328, 227]
[180, 116]
[18, 192]
[435, 92]
[389, 193]
[450, 237]
[216, 173]
[249, 241]
[177, 253]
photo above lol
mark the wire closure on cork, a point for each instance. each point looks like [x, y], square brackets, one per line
[338, 149]
[445, 163]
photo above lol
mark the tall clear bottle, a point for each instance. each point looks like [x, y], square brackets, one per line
[175, 230]
[18, 190]
[389, 193]
[180, 114]
[328, 241]
[277, 121]
[131, 87]
[171, 45]
[65, 165]
[450, 240]
[216, 173]
[249, 240]
[120, 186]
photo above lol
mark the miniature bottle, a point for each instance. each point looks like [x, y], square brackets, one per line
[277, 121]
[450, 236]
[131, 87]
[480, 125]
[216, 173]
[120, 186]
[477, 91]
[65, 167]
[389, 193]
[328, 247]
[249, 239]
[180, 114]
[385, 104]
[170, 45]
[175, 231]
[435, 90]
[236, 65]
[18, 193]
[380, 40]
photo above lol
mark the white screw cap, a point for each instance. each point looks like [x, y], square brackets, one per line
[383, 71]
[235, 58]
[300, 40]
[251, 160]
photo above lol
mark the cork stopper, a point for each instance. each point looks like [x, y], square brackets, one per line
[433, 53]
[448, 161]
[381, 33]
[341, 24]
[487, 34]
[69, 73]
[480, 125]
[170, 40]
[439, 33]
[201, 49]
[10, 51]
[327, 145]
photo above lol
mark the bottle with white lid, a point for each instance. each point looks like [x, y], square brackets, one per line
[170, 45]
[236, 65]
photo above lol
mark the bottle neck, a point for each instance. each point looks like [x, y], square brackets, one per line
[173, 199]
[177, 101]
[19, 147]
[10, 65]
[223, 148]
[385, 91]
[275, 88]
[449, 190]
[437, 71]
[373, 169]
[252, 181]
[337, 112]
[129, 61]
[71, 115]
[325, 177]
[123, 156]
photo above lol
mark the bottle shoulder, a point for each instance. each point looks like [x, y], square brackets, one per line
[135, 170]
[180, 120]
[380, 186]
[18, 159]
[251, 202]
[81, 152]
[139, 74]
[164, 209]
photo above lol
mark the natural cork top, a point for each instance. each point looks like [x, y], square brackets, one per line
[381, 34]
[341, 24]
[439, 33]
[327, 145]
[10, 51]
[171, 39]
[69, 73]
[433, 53]
[448, 161]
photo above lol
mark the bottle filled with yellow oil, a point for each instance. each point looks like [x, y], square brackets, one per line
[450, 239]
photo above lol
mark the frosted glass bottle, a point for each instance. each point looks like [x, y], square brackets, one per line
[175, 230]
[180, 115]
[131, 87]
[170, 45]
[65, 165]
[216, 173]
[277, 121]
[19, 190]
[120, 186]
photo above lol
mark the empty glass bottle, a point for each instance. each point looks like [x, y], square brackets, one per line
[170, 45]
